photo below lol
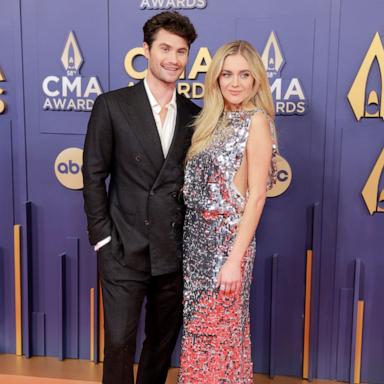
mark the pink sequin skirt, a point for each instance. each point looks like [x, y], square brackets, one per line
[216, 346]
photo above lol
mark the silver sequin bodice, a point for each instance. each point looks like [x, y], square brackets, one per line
[209, 175]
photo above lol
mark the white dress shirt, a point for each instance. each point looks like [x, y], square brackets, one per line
[165, 131]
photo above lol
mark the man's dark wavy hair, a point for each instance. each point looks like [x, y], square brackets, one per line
[172, 22]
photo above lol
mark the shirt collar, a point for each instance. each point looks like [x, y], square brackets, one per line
[154, 104]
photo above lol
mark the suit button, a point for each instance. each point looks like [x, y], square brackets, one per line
[173, 224]
[146, 222]
[138, 158]
[174, 195]
[151, 193]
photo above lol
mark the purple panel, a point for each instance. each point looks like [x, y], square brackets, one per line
[38, 333]
[11, 64]
[373, 335]
[315, 289]
[71, 313]
[344, 334]
[274, 296]
[96, 329]
[10, 155]
[96, 319]
[36, 279]
[26, 282]
[323, 363]
[356, 295]
[7, 287]
[61, 308]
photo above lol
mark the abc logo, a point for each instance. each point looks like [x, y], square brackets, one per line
[68, 167]
[283, 177]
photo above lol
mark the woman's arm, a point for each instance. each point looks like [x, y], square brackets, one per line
[258, 155]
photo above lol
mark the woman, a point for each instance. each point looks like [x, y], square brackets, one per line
[230, 165]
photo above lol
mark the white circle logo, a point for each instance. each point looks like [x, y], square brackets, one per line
[283, 177]
[68, 168]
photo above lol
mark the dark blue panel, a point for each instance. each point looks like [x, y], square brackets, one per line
[61, 307]
[7, 284]
[38, 333]
[27, 289]
[11, 165]
[71, 318]
[345, 334]
[273, 339]
[356, 294]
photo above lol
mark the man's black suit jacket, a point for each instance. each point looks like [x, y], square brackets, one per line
[142, 210]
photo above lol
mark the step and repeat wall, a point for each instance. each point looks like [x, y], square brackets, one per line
[316, 307]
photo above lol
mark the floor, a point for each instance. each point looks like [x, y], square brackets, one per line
[49, 370]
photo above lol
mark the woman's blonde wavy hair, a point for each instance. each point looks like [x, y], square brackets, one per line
[260, 96]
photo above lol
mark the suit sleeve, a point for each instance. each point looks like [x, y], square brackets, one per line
[97, 159]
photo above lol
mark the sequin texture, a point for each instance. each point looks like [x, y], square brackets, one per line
[216, 345]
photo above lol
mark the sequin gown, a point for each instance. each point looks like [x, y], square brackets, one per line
[216, 346]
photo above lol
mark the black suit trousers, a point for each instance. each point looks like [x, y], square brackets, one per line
[124, 291]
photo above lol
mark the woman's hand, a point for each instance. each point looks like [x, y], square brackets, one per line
[229, 278]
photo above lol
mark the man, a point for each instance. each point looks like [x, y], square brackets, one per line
[139, 137]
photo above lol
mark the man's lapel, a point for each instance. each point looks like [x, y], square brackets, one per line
[138, 112]
[179, 136]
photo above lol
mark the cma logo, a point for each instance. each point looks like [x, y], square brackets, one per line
[3, 104]
[289, 95]
[283, 177]
[200, 64]
[373, 191]
[68, 168]
[367, 97]
[72, 92]
[289, 98]
[173, 4]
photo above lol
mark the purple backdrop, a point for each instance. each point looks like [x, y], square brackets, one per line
[330, 153]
